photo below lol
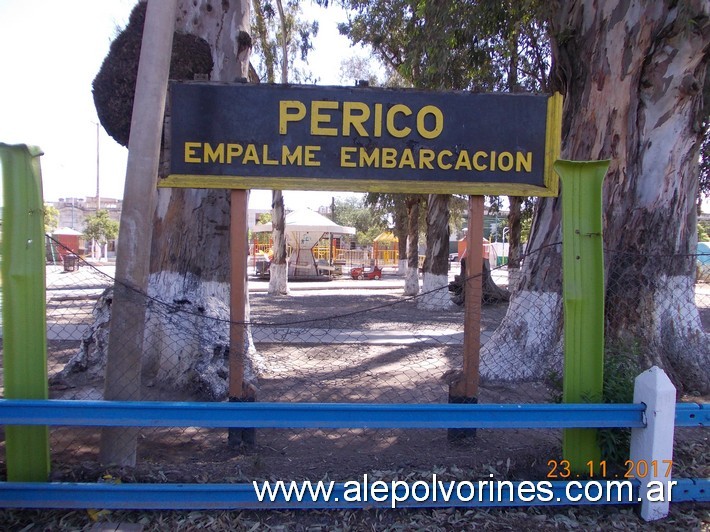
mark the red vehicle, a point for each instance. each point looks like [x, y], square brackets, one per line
[366, 273]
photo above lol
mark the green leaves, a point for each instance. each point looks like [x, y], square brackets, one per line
[100, 227]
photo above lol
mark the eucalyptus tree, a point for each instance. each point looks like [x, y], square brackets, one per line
[632, 76]
[191, 227]
[280, 41]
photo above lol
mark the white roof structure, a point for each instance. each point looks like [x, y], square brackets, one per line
[66, 231]
[304, 228]
[306, 220]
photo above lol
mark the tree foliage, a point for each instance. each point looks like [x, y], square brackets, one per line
[100, 227]
[51, 218]
[453, 45]
[268, 40]
[368, 222]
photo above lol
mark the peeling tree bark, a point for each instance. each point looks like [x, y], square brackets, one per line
[411, 279]
[630, 74]
[435, 286]
[191, 234]
[278, 271]
[401, 228]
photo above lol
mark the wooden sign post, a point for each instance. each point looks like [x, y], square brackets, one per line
[239, 391]
[465, 389]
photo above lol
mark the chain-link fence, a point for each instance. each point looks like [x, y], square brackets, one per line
[339, 340]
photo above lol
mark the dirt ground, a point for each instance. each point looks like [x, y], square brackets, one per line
[316, 369]
[320, 367]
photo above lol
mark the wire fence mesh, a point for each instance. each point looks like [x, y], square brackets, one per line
[333, 341]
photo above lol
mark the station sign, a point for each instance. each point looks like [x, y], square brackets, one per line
[244, 136]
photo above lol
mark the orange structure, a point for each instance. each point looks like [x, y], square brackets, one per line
[486, 248]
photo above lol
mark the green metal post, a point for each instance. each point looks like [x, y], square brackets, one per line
[24, 310]
[583, 301]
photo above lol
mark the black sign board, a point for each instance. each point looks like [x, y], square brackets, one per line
[362, 139]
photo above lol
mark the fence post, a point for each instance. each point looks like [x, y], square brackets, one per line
[24, 308]
[652, 446]
[125, 345]
[583, 300]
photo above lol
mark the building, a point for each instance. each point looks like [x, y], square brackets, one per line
[73, 211]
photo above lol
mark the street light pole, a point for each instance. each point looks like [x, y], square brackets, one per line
[98, 197]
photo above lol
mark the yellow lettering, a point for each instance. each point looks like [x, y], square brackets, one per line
[476, 164]
[311, 156]
[407, 159]
[318, 118]
[440, 159]
[378, 120]
[463, 161]
[290, 111]
[372, 159]
[389, 157]
[265, 156]
[233, 152]
[190, 148]
[426, 156]
[250, 155]
[505, 161]
[523, 161]
[398, 108]
[438, 122]
[292, 157]
[493, 160]
[345, 153]
[355, 120]
[214, 156]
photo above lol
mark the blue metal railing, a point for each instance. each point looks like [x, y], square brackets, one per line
[306, 415]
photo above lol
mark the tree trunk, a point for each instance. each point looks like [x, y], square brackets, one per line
[630, 74]
[411, 280]
[262, 33]
[284, 42]
[514, 218]
[278, 271]
[435, 286]
[514, 252]
[191, 238]
[401, 227]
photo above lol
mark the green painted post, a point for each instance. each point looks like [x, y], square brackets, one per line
[24, 310]
[583, 301]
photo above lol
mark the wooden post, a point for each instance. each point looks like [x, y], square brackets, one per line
[238, 338]
[125, 346]
[465, 390]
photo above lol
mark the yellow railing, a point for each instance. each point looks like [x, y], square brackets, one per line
[322, 252]
[258, 248]
[349, 257]
[387, 257]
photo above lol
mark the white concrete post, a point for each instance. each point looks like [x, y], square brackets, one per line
[652, 446]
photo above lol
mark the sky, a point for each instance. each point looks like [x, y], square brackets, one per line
[50, 52]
